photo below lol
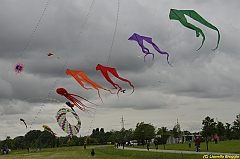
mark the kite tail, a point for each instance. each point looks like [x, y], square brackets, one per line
[99, 95]
[148, 54]
[125, 80]
[218, 40]
[83, 98]
[132, 90]
[194, 15]
[82, 106]
[115, 85]
[202, 39]
[108, 90]
[25, 124]
[161, 52]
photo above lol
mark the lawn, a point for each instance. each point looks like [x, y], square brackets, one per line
[231, 146]
[102, 152]
[109, 152]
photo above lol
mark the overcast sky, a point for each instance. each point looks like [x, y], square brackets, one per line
[200, 83]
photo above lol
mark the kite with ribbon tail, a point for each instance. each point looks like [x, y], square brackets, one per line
[180, 16]
[104, 70]
[71, 97]
[138, 38]
[81, 77]
[47, 128]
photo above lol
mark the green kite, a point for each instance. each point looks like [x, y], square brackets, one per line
[180, 16]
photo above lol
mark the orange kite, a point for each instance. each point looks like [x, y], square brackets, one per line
[81, 77]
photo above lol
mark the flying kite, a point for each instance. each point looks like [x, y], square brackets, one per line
[180, 16]
[139, 39]
[49, 54]
[104, 70]
[64, 124]
[81, 77]
[71, 97]
[123, 91]
[23, 122]
[71, 105]
[47, 128]
[19, 67]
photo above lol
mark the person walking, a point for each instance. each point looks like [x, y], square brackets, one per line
[197, 143]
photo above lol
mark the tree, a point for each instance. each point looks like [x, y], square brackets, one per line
[47, 139]
[144, 131]
[102, 130]
[209, 127]
[220, 130]
[228, 131]
[176, 131]
[236, 127]
[32, 136]
[129, 135]
[19, 142]
[164, 133]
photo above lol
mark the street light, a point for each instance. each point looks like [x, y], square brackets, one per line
[206, 132]
[142, 138]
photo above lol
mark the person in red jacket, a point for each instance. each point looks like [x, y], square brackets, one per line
[197, 143]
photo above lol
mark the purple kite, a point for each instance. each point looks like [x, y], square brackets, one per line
[139, 39]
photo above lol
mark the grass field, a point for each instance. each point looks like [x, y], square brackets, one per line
[109, 152]
[231, 146]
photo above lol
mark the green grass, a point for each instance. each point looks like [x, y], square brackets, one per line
[116, 153]
[102, 152]
[109, 152]
[231, 146]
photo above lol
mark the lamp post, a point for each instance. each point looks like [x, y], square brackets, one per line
[142, 138]
[206, 133]
[183, 138]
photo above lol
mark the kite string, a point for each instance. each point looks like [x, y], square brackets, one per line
[115, 31]
[114, 34]
[91, 124]
[66, 61]
[35, 118]
[35, 30]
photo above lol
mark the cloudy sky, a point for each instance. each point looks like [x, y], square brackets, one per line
[200, 83]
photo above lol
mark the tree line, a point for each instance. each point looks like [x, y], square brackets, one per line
[141, 133]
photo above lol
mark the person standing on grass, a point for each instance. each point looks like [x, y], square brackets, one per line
[197, 143]
[189, 143]
[156, 144]
[92, 152]
[85, 145]
[148, 144]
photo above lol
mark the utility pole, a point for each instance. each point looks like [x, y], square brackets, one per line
[122, 122]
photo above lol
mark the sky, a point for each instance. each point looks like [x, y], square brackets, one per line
[81, 34]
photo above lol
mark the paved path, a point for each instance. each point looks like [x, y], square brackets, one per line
[179, 151]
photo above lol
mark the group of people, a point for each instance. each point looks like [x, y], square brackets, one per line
[116, 145]
[5, 150]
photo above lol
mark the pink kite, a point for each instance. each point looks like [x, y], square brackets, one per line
[71, 97]
[81, 77]
[104, 70]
